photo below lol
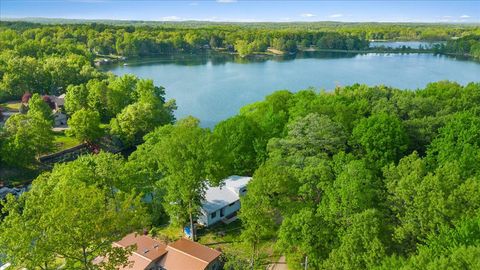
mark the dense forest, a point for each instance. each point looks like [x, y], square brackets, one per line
[468, 46]
[363, 177]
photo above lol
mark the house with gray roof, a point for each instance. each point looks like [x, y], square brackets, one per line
[222, 203]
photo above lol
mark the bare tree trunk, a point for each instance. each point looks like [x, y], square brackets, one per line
[85, 261]
[252, 260]
[192, 228]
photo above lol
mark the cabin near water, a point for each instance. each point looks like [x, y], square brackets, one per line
[222, 203]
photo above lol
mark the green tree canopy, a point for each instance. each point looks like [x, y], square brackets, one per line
[26, 137]
[85, 125]
[38, 108]
[63, 216]
[241, 138]
[381, 138]
[189, 159]
[76, 98]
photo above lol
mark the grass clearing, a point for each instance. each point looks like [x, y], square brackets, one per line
[224, 237]
[62, 141]
[220, 232]
[12, 106]
[167, 233]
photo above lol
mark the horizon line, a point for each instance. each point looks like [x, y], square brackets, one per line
[239, 22]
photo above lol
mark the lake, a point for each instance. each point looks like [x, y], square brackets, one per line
[213, 87]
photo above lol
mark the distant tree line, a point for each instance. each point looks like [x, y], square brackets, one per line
[365, 177]
[48, 58]
[465, 46]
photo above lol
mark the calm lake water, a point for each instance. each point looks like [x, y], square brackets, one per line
[215, 87]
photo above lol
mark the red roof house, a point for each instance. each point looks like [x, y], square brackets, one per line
[151, 254]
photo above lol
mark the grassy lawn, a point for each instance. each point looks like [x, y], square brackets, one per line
[227, 239]
[220, 233]
[62, 141]
[11, 106]
[168, 233]
[224, 237]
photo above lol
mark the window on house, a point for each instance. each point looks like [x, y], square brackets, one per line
[231, 204]
[213, 215]
[222, 212]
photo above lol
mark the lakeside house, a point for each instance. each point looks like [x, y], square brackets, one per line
[59, 117]
[56, 103]
[151, 254]
[222, 203]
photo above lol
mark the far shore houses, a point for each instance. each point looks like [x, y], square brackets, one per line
[56, 103]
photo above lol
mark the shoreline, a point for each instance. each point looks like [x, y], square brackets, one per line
[118, 60]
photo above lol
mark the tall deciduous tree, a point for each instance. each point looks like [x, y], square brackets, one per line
[76, 98]
[423, 201]
[38, 108]
[305, 237]
[120, 93]
[97, 97]
[63, 216]
[361, 245]
[26, 137]
[85, 125]
[309, 136]
[241, 137]
[381, 138]
[458, 140]
[190, 160]
[148, 112]
[257, 217]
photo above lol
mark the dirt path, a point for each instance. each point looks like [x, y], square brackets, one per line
[280, 265]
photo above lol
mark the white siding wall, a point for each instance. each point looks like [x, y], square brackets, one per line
[207, 220]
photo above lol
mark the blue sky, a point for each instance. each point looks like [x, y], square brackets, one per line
[247, 10]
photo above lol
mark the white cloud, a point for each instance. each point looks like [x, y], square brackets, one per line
[465, 16]
[226, 1]
[171, 18]
[307, 15]
[336, 16]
